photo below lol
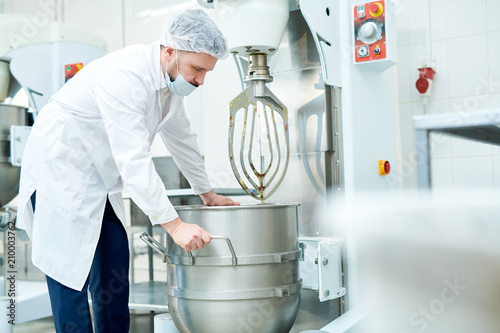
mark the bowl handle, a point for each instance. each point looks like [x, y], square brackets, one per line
[229, 244]
[154, 244]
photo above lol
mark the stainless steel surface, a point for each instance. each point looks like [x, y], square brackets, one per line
[335, 155]
[259, 105]
[237, 208]
[253, 229]
[257, 68]
[424, 179]
[148, 296]
[462, 120]
[297, 50]
[269, 258]
[296, 68]
[9, 175]
[186, 192]
[154, 244]
[163, 251]
[234, 259]
[213, 295]
[481, 126]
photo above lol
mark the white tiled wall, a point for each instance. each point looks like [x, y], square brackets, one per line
[466, 44]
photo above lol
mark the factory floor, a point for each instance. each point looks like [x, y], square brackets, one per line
[140, 322]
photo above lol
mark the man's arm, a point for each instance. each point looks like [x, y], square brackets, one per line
[181, 143]
[122, 97]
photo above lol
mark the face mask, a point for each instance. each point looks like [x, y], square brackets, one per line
[180, 86]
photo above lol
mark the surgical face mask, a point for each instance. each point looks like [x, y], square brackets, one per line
[180, 86]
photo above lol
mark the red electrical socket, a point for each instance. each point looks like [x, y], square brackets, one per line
[425, 80]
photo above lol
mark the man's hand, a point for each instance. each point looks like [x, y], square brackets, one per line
[212, 199]
[191, 236]
[188, 236]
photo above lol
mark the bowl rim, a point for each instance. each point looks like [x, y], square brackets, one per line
[240, 207]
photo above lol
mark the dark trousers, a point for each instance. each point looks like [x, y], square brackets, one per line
[107, 282]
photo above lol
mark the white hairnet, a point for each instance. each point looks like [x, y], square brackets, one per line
[192, 30]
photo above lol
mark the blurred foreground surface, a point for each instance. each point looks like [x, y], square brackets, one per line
[425, 262]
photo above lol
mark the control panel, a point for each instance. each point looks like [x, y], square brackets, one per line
[372, 33]
[71, 70]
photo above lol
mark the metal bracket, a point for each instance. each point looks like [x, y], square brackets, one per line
[321, 268]
[18, 138]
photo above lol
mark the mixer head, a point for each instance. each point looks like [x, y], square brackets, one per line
[264, 146]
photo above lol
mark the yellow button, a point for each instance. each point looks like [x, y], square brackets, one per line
[384, 167]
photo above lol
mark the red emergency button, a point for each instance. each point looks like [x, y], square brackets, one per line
[376, 9]
[384, 167]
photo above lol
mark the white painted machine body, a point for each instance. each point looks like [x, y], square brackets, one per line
[38, 54]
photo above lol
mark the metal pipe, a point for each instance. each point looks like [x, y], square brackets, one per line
[62, 11]
[123, 23]
[150, 255]
[428, 32]
[240, 70]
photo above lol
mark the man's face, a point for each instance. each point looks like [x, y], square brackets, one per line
[193, 66]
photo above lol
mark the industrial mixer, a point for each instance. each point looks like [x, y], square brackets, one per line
[297, 133]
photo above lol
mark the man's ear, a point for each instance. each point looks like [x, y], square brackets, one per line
[169, 52]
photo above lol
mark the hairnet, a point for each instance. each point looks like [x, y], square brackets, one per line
[192, 30]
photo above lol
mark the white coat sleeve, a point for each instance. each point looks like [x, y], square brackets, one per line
[181, 143]
[122, 98]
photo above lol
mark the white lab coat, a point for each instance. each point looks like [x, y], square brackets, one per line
[92, 138]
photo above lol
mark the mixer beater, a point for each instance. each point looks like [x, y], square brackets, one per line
[268, 140]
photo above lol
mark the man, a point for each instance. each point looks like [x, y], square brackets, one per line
[90, 140]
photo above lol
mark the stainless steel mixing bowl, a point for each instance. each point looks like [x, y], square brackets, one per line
[246, 280]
